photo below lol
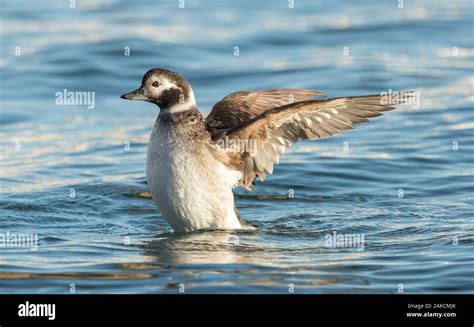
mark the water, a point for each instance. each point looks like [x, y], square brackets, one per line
[404, 181]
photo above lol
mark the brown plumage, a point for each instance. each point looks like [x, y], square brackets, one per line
[242, 106]
[269, 132]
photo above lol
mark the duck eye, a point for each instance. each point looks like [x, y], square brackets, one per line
[156, 84]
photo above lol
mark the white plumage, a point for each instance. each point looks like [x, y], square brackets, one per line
[191, 189]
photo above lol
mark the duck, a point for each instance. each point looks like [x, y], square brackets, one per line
[194, 163]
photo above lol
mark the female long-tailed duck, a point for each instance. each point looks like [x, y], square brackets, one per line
[193, 163]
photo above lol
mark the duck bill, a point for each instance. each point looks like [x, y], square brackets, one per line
[135, 95]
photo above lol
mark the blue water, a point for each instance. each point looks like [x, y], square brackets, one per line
[75, 177]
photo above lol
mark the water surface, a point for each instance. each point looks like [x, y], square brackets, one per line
[75, 177]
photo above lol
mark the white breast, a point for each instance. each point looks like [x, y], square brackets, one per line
[191, 189]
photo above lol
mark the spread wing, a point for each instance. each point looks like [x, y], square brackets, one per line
[267, 135]
[239, 107]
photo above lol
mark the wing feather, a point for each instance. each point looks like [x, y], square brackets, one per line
[273, 130]
[239, 107]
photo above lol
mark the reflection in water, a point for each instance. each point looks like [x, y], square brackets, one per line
[200, 247]
[243, 266]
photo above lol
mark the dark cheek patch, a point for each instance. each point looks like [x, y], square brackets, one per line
[170, 97]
